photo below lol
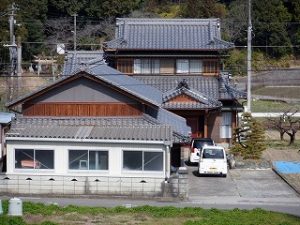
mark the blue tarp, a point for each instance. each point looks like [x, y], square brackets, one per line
[287, 167]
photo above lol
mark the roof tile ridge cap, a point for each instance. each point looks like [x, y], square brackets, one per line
[223, 41]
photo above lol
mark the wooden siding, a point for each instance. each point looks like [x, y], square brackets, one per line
[182, 98]
[82, 109]
[167, 66]
[211, 67]
[125, 65]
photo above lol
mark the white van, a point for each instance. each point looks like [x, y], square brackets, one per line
[213, 161]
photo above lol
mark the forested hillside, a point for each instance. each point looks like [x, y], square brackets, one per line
[41, 24]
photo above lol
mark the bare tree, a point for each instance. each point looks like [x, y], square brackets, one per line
[287, 123]
[88, 32]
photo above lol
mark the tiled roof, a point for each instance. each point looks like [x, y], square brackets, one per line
[74, 60]
[214, 88]
[110, 128]
[168, 34]
[203, 101]
[133, 86]
[127, 83]
[113, 77]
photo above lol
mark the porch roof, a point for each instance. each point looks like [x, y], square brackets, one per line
[216, 88]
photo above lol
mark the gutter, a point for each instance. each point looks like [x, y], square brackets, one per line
[88, 140]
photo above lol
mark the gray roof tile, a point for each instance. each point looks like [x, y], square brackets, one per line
[215, 88]
[74, 60]
[110, 128]
[168, 34]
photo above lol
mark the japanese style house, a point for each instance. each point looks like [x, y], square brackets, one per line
[183, 59]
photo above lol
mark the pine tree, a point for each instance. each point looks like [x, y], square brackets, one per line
[248, 139]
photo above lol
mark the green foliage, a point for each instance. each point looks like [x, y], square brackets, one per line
[203, 9]
[8, 220]
[248, 139]
[270, 27]
[236, 62]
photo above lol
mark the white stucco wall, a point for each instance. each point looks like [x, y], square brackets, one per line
[115, 156]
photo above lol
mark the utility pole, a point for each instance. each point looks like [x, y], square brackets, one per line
[12, 53]
[249, 55]
[74, 32]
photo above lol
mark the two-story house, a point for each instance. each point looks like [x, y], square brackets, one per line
[183, 59]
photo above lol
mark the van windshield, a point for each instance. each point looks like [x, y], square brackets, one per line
[213, 153]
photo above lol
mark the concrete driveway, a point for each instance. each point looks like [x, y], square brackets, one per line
[240, 184]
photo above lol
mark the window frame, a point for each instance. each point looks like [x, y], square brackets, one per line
[141, 64]
[34, 159]
[189, 63]
[143, 161]
[88, 159]
[226, 125]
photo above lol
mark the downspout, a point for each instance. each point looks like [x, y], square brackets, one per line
[167, 163]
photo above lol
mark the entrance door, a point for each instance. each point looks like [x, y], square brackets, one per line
[197, 125]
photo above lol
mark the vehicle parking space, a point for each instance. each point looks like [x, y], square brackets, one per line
[239, 183]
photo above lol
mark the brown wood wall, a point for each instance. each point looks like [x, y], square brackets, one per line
[182, 98]
[82, 109]
[125, 65]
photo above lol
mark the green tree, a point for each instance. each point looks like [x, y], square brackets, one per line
[203, 9]
[236, 22]
[111, 8]
[236, 62]
[270, 27]
[248, 139]
[293, 7]
[67, 7]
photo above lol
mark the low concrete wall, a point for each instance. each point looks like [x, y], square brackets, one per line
[92, 185]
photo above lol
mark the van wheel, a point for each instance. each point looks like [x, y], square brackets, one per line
[224, 175]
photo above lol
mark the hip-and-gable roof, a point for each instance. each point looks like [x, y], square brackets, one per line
[168, 34]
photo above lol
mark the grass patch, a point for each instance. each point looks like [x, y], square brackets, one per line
[272, 106]
[283, 145]
[37, 213]
[283, 92]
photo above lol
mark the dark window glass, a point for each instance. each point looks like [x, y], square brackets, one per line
[153, 161]
[133, 160]
[213, 154]
[34, 159]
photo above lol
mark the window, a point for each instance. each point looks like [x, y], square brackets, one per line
[195, 66]
[143, 161]
[188, 66]
[213, 153]
[34, 159]
[146, 66]
[182, 66]
[226, 125]
[88, 160]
